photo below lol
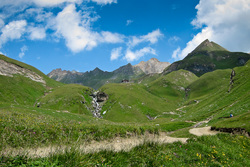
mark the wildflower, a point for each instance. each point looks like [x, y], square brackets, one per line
[34, 132]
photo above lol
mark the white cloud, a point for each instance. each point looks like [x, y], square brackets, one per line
[225, 22]
[109, 37]
[152, 37]
[1, 23]
[173, 39]
[23, 50]
[13, 30]
[42, 3]
[116, 53]
[53, 2]
[176, 52]
[76, 30]
[39, 14]
[37, 33]
[206, 33]
[129, 22]
[104, 2]
[69, 25]
[132, 56]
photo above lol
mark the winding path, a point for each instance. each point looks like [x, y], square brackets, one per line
[116, 144]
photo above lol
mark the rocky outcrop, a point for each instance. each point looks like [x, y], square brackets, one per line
[59, 74]
[9, 69]
[152, 66]
[231, 80]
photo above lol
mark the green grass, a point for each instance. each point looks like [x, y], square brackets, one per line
[20, 90]
[24, 125]
[219, 150]
[131, 103]
[73, 98]
[172, 86]
[211, 92]
[240, 121]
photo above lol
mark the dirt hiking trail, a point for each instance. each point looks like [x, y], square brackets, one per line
[202, 131]
[117, 144]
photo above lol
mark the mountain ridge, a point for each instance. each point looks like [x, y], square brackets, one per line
[97, 77]
[207, 57]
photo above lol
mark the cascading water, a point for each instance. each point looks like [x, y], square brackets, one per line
[97, 107]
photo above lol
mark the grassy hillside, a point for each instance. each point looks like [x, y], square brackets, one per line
[209, 98]
[131, 103]
[22, 90]
[72, 98]
[134, 102]
[172, 86]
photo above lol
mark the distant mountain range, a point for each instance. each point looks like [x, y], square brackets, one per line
[97, 77]
[206, 57]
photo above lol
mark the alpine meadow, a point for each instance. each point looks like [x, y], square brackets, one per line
[139, 110]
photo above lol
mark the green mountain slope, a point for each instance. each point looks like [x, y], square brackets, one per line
[172, 86]
[209, 97]
[208, 47]
[21, 83]
[208, 57]
[68, 98]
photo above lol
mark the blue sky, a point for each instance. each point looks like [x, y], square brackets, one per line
[84, 34]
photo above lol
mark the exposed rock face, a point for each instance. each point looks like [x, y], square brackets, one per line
[152, 66]
[9, 69]
[59, 74]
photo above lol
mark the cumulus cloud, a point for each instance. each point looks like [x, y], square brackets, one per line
[78, 36]
[225, 22]
[132, 56]
[104, 2]
[37, 33]
[23, 50]
[116, 53]
[77, 32]
[151, 37]
[13, 30]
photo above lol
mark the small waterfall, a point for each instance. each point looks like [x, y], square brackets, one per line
[97, 107]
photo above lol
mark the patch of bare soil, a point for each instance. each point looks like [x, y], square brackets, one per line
[202, 131]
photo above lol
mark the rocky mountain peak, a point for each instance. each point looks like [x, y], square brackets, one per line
[152, 66]
[208, 46]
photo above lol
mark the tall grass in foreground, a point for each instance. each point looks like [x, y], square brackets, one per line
[24, 127]
[219, 150]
